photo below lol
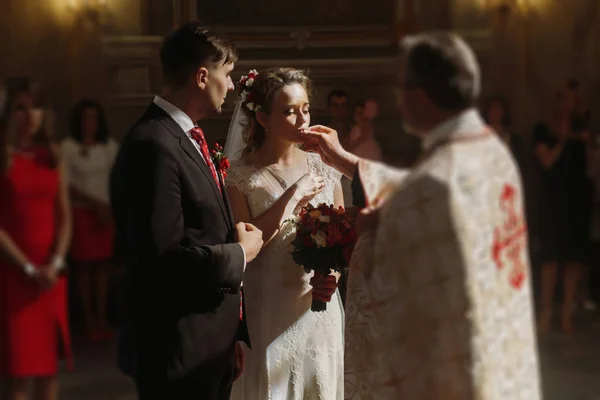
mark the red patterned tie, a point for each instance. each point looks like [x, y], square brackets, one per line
[198, 136]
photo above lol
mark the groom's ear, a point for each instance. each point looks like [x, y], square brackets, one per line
[202, 77]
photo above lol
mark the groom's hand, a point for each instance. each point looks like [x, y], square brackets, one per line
[324, 141]
[250, 237]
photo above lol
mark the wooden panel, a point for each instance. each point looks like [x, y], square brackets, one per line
[282, 13]
[309, 36]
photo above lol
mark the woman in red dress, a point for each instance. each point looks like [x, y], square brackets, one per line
[35, 231]
[89, 154]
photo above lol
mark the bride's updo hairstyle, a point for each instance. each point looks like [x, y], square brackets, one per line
[258, 91]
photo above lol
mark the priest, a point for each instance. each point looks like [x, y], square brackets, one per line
[449, 311]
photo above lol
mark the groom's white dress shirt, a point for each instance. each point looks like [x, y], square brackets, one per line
[182, 119]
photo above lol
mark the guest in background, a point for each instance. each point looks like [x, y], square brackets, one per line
[564, 152]
[357, 111]
[581, 121]
[339, 109]
[362, 136]
[35, 231]
[89, 155]
[591, 288]
[496, 112]
[581, 114]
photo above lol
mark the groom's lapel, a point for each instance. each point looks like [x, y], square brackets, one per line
[193, 153]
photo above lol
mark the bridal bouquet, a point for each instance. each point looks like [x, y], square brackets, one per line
[324, 241]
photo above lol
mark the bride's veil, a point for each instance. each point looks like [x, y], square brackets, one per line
[234, 143]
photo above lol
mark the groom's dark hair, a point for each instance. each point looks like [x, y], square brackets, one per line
[190, 47]
[442, 65]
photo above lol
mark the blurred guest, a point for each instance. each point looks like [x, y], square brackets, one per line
[362, 136]
[581, 114]
[357, 111]
[496, 112]
[591, 289]
[338, 107]
[35, 231]
[89, 155]
[581, 121]
[563, 149]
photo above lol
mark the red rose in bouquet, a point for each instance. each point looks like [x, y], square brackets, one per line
[325, 239]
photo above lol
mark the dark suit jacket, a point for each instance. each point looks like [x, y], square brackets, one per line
[175, 234]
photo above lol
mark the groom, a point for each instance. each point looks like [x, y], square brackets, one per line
[451, 309]
[184, 256]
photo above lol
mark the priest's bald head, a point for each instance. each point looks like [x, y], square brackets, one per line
[439, 78]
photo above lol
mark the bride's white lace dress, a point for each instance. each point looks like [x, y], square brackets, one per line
[296, 353]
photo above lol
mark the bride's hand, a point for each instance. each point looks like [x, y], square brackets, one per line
[324, 287]
[308, 187]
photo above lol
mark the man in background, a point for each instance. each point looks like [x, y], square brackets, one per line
[339, 110]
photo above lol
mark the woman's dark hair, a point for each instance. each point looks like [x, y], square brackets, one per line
[487, 104]
[77, 118]
[265, 89]
[15, 87]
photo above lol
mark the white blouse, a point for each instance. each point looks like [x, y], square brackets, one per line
[90, 173]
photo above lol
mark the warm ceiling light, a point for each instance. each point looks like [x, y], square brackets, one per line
[517, 6]
[91, 10]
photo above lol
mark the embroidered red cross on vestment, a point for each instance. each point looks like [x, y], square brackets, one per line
[510, 239]
[197, 134]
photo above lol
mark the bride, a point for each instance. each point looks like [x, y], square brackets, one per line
[296, 353]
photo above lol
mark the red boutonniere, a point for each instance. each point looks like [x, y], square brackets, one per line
[221, 162]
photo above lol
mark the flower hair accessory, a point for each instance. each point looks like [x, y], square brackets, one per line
[245, 87]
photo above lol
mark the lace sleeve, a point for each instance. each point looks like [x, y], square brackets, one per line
[322, 169]
[240, 176]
